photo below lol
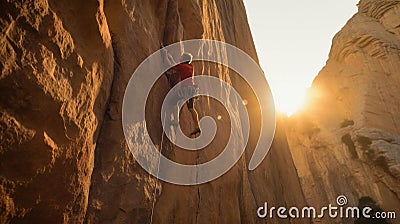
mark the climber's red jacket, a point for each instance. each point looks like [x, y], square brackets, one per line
[185, 71]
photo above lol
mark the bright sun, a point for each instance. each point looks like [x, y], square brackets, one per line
[292, 55]
[288, 100]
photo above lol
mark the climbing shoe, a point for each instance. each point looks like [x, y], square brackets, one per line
[196, 131]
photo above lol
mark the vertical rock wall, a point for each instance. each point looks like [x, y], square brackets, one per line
[56, 73]
[63, 156]
[346, 140]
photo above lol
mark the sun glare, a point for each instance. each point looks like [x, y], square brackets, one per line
[288, 103]
[293, 39]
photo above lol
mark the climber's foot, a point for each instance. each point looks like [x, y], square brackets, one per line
[196, 131]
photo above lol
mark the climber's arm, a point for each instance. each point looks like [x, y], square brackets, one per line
[167, 58]
[172, 74]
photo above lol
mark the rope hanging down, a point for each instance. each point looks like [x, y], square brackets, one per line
[158, 170]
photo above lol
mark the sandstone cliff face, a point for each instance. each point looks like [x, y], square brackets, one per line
[346, 140]
[63, 156]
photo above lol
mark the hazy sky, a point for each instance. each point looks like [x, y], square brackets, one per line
[293, 39]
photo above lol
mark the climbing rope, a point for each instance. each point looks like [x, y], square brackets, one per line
[162, 137]
[158, 170]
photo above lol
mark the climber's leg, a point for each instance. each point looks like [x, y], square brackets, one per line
[195, 116]
[175, 115]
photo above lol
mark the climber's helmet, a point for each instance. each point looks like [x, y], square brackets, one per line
[187, 58]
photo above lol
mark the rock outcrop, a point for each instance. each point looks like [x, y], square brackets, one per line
[63, 155]
[346, 140]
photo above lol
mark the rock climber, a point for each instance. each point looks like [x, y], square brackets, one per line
[184, 72]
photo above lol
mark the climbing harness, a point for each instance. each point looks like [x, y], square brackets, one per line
[187, 92]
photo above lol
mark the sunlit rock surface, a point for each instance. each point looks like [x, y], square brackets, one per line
[63, 156]
[346, 139]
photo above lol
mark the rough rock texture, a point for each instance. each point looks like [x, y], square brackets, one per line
[63, 156]
[346, 140]
[56, 72]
